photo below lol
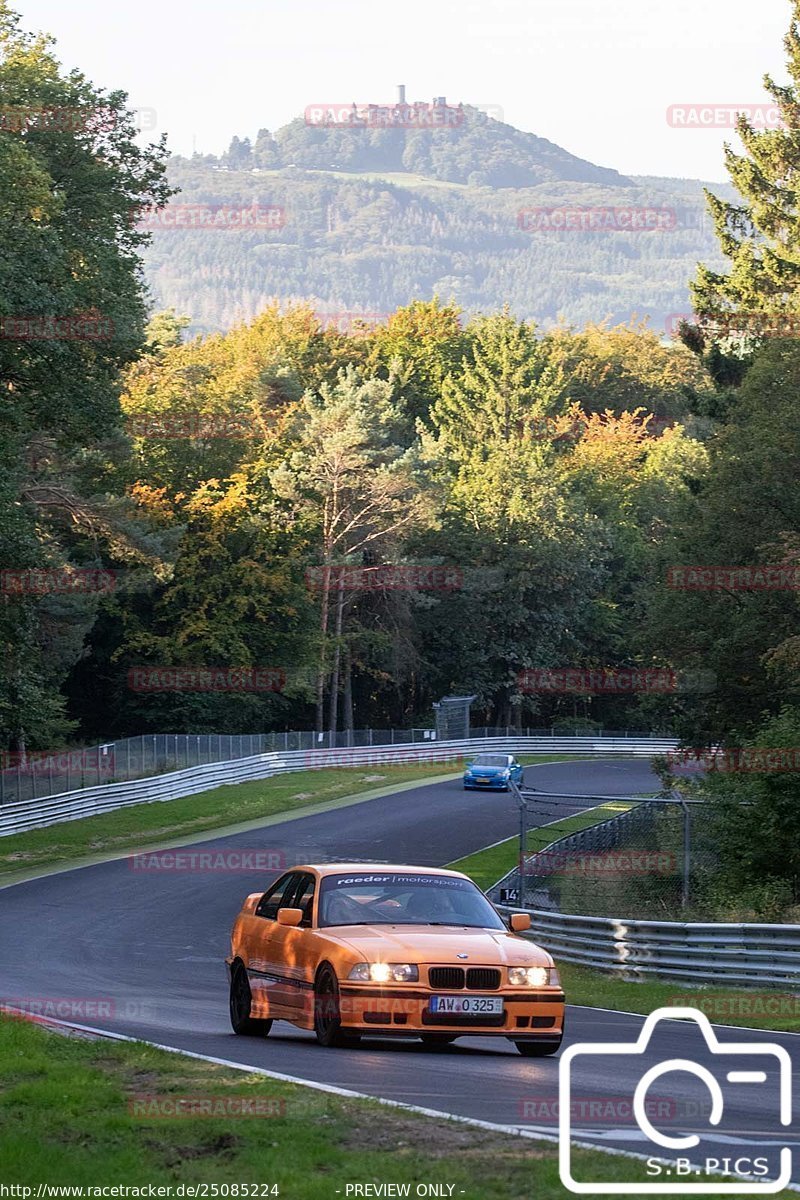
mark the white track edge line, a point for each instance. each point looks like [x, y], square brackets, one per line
[624, 1012]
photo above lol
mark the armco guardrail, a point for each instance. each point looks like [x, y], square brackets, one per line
[71, 806]
[766, 955]
[40, 774]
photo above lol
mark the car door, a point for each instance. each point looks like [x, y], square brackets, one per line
[264, 967]
[516, 772]
[296, 948]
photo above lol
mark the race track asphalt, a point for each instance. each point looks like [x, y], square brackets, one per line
[141, 953]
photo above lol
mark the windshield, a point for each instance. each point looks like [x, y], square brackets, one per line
[404, 899]
[490, 760]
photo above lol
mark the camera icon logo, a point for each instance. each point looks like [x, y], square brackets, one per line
[707, 1176]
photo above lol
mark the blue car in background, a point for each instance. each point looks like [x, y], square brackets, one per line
[493, 772]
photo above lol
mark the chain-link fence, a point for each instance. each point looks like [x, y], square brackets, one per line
[655, 861]
[34, 774]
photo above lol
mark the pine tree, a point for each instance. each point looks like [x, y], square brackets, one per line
[509, 380]
[761, 235]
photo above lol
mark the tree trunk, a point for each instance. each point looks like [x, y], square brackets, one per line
[323, 628]
[337, 656]
[347, 699]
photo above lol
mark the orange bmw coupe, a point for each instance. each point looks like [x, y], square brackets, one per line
[348, 950]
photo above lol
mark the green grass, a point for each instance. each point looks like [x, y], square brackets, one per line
[190, 816]
[172, 821]
[491, 864]
[753, 1008]
[67, 1110]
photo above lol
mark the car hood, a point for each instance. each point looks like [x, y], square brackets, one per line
[487, 770]
[424, 944]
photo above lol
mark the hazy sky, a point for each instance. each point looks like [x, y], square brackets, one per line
[597, 78]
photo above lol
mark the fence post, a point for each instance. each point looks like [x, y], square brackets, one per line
[687, 853]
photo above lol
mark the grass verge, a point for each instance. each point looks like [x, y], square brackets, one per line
[751, 1008]
[90, 1113]
[143, 825]
[489, 865]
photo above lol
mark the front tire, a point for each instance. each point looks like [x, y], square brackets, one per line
[538, 1049]
[327, 1012]
[241, 1001]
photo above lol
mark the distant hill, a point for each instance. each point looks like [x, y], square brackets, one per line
[471, 148]
[482, 213]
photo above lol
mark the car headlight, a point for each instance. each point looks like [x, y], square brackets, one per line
[385, 973]
[533, 976]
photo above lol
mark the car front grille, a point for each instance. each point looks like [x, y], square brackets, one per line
[483, 979]
[479, 979]
[446, 977]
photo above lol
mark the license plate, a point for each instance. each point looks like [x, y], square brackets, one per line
[481, 779]
[473, 1006]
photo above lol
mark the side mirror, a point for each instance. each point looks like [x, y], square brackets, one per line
[518, 922]
[291, 916]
